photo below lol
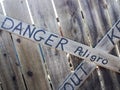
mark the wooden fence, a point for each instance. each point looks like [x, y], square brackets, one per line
[26, 65]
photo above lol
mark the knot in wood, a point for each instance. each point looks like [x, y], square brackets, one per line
[0, 32]
[29, 73]
[18, 40]
[4, 54]
[21, 1]
[14, 78]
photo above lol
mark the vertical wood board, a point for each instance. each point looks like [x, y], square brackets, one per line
[31, 66]
[11, 76]
[56, 61]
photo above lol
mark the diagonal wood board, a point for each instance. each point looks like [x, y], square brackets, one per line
[40, 35]
[61, 43]
[75, 80]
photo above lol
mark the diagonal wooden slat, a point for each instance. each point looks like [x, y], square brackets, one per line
[52, 40]
[74, 80]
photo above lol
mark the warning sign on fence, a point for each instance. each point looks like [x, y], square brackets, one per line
[44, 37]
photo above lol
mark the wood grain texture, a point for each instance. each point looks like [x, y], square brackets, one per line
[112, 83]
[31, 64]
[114, 13]
[93, 22]
[56, 61]
[92, 82]
[99, 57]
[107, 84]
[72, 25]
[92, 50]
[32, 67]
[1, 88]
[105, 48]
[90, 19]
[10, 76]
[97, 29]
[111, 64]
[103, 12]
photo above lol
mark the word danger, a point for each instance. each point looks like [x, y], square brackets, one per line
[40, 36]
[29, 31]
[50, 39]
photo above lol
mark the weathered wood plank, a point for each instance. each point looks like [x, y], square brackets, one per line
[1, 86]
[101, 58]
[71, 19]
[56, 61]
[68, 83]
[88, 17]
[33, 71]
[104, 23]
[92, 83]
[112, 81]
[11, 76]
[72, 25]
[28, 52]
[114, 13]
[95, 34]
[113, 30]
[111, 76]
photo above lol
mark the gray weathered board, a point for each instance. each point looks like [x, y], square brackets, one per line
[50, 39]
[74, 80]
[55, 60]
[74, 21]
[10, 73]
[30, 61]
[107, 77]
